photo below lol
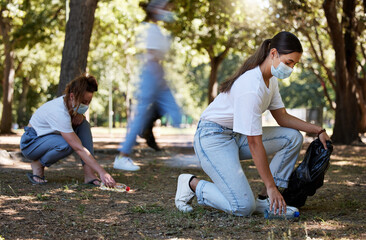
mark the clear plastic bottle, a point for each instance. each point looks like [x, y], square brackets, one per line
[118, 188]
[290, 214]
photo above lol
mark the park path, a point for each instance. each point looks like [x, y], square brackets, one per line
[180, 148]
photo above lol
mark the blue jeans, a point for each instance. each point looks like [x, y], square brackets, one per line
[50, 148]
[153, 89]
[220, 150]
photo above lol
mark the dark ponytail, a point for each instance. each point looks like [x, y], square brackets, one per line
[284, 42]
[257, 58]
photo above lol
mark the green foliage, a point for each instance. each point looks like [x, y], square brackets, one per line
[202, 30]
[213, 28]
[81, 209]
[306, 20]
[229, 66]
[36, 31]
[42, 197]
[111, 56]
[37, 20]
[302, 91]
[150, 208]
[213, 25]
[197, 80]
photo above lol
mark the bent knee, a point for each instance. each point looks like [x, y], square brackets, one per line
[295, 136]
[64, 148]
[244, 208]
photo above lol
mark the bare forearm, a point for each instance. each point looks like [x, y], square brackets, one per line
[296, 123]
[85, 155]
[73, 140]
[286, 120]
[89, 160]
[260, 160]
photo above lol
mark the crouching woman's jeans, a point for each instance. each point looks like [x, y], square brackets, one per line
[50, 148]
[220, 150]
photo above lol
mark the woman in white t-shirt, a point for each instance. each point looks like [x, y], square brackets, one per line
[58, 128]
[231, 129]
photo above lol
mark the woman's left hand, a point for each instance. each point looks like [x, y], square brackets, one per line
[77, 119]
[323, 137]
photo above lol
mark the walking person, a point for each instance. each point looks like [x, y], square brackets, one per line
[153, 88]
[58, 128]
[147, 133]
[230, 129]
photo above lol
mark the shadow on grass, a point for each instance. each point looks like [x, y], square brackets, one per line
[65, 208]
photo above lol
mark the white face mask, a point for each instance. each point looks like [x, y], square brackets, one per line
[282, 71]
[82, 108]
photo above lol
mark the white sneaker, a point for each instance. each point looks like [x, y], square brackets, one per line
[125, 163]
[184, 193]
[263, 205]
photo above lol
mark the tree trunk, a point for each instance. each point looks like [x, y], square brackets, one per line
[212, 83]
[22, 109]
[362, 123]
[350, 36]
[347, 112]
[76, 47]
[8, 79]
[215, 63]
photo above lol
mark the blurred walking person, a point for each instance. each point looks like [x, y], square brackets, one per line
[153, 88]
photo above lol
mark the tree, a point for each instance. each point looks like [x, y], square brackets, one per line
[111, 53]
[22, 24]
[215, 27]
[318, 23]
[350, 92]
[8, 74]
[76, 47]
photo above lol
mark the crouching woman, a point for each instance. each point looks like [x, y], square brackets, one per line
[58, 128]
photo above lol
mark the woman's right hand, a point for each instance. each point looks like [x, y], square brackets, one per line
[107, 179]
[276, 201]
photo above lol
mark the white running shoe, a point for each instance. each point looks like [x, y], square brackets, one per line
[184, 193]
[125, 163]
[263, 205]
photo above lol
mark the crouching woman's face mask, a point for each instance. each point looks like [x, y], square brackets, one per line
[82, 108]
[282, 71]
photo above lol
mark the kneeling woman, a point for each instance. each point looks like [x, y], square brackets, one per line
[230, 129]
[58, 128]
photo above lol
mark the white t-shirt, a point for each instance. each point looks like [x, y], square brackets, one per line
[150, 36]
[52, 117]
[241, 108]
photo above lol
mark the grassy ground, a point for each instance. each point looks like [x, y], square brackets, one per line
[67, 209]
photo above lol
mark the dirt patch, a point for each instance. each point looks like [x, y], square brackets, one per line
[67, 209]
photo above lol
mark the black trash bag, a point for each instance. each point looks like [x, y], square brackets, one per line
[309, 175]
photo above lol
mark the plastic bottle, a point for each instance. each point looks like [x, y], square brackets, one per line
[118, 188]
[290, 214]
